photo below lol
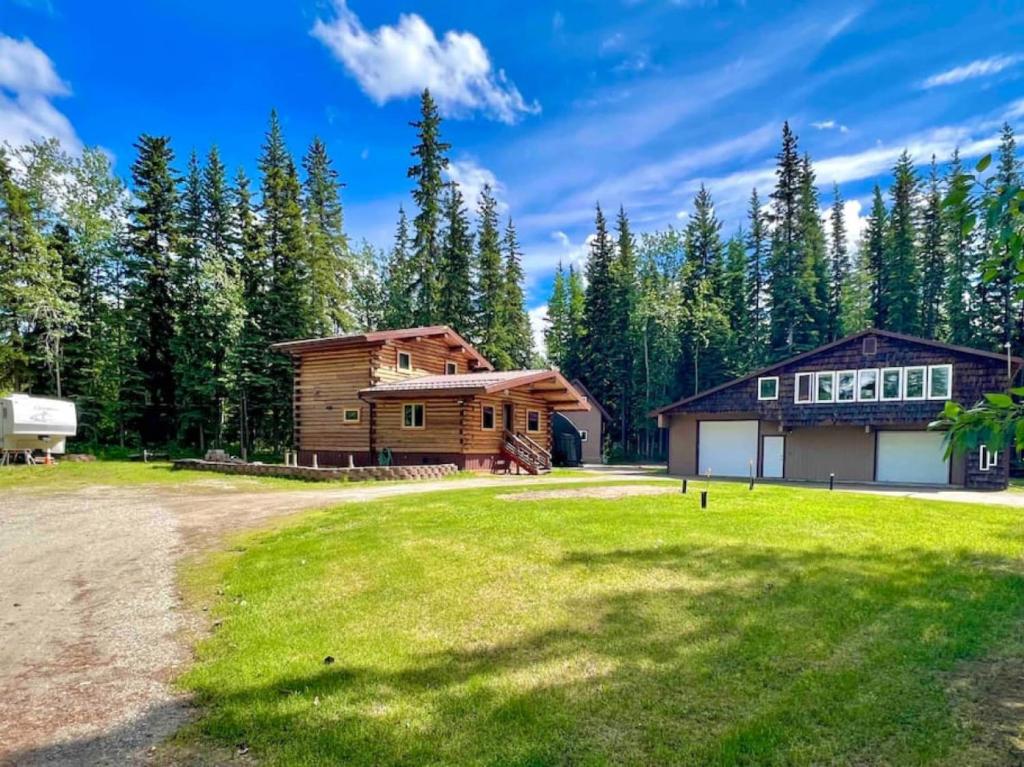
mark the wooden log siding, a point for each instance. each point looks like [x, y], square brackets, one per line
[441, 433]
[326, 384]
[429, 356]
[481, 441]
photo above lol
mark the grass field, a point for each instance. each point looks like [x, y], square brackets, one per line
[783, 626]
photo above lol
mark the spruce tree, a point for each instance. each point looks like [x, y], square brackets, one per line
[784, 266]
[959, 243]
[735, 293]
[455, 307]
[154, 235]
[519, 334]
[874, 260]
[598, 368]
[426, 248]
[398, 301]
[1001, 313]
[622, 346]
[758, 245]
[288, 299]
[556, 332]
[330, 262]
[933, 258]
[704, 239]
[491, 332]
[813, 277]
[577, 324]
[840, 266]
[901, 264]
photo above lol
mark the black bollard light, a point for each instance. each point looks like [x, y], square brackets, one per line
[832, 481]
[684, 487]
[703, 499]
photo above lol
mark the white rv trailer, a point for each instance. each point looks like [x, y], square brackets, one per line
[34, 423]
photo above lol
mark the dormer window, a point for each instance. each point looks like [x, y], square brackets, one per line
[451, 368]
[405, 361]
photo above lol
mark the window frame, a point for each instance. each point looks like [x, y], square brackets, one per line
[878, 377]
[924, 383]
[949, 381]
[760, 393]
[451, 368]
[987, 459]
[796, 389]
[483, 418]
[398, 363]
[344, 415]
[528, 429]
[584, 435]
[853, 388]
[818, 376]
[423, 411]
[881, 385]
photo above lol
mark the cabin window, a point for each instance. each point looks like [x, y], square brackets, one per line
[892, 383]
[413, 415]
[768, 388]
[583, 435]
[867, 385]
[825, 387]
[404, 361]
[451, 368]
[802, 390]
[914, 380]
[351, 415]
[940, 381]
[987, 459]
[487, 418]
[846, 386]
[533, 420]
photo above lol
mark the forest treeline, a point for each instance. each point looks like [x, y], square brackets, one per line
[664, 315]
[153, 305]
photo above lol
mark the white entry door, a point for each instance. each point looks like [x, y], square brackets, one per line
[726, 448]
[773, 457]
[913, 457]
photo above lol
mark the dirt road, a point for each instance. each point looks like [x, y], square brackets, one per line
[91, 626]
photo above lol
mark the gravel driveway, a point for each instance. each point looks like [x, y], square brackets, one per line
[91, 627]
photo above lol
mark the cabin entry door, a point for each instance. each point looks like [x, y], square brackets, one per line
[773, 457]
[509, 416]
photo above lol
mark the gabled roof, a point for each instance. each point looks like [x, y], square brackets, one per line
[548, 384]
[1017, 362]
[591, 399]
[376, 337]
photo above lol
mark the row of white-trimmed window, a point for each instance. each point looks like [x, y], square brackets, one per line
[902, 384]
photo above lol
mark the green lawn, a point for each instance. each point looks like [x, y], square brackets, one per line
[783, 626]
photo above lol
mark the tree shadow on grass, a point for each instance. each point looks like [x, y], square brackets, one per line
[706, 655]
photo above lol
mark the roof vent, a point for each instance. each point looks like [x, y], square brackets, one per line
[870, 346]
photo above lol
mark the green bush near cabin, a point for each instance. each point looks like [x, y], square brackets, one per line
[782, 626]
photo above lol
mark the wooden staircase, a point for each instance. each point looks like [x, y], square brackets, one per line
[519, 450]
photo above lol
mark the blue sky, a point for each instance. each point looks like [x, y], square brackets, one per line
[558, 104]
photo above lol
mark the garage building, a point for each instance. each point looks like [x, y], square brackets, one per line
[857, 408]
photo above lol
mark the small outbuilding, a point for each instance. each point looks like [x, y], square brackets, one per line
[590, 424]
[857, 408]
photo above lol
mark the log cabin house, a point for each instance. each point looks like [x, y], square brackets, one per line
[421, 396]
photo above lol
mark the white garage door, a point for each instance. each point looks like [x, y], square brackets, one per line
[912, 456]
[726, 448]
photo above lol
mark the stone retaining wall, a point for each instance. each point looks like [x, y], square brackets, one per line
[320, 475]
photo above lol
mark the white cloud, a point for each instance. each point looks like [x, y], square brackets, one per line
[28, 83]
[538, 323]
[829, 125]
[977, 68]
[399, 61]
[471, 178]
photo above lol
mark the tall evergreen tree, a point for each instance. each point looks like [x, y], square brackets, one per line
[1002, 321]
[577, 324]
[491, 332]
[515, 318]
[932, 258]
[735, 293]
[556, 332]
[704, 239]
[329, 260]
[455, 307]
[288, 300]
[431, 161]
[813, 276]
[154, 234]
[398, 302]
[622, 345]
[840, 266]
[874, 246]
[598, 368]
[959, 242]
[758, 247]
[901, 264]
[784, 269]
